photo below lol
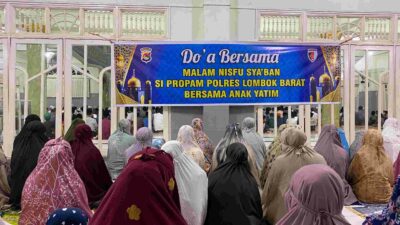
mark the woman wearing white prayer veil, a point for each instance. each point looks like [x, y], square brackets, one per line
[190, 146]
[192, 184]
[391, 138]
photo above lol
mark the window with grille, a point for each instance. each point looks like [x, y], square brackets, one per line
[320, 28]
[377, 29]
[144, 23]
[349, 28]
[30, 20]
[64, 21]
[279, 27]
[99, 21]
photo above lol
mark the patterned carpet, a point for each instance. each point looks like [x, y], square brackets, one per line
[10, 217]
[367, 209]
[360, 210]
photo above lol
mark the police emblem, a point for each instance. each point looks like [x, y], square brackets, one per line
[312, 54]
[145, 54]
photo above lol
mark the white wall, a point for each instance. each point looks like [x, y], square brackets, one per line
[324, 5]
[312, 5]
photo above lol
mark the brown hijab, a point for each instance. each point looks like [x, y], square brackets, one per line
[295, 155]
[370, 172]
[330, 147]
[274, 150]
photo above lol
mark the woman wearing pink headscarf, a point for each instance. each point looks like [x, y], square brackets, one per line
[315, 196]
[330, 147]
[53, 184]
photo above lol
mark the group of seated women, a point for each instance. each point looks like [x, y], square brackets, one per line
[189, 182]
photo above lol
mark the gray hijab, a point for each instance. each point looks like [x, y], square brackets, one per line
[357, 143]
[144, 137]
[118, 143]
[255, 141]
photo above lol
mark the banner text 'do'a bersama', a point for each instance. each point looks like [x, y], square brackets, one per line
[241, 74]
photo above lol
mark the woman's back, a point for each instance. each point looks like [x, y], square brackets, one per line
[370, 172]
[233, 193]
[145, 193]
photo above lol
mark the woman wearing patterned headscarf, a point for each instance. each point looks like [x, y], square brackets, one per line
[232, 135]
[391, 138]
[27, 146]
[330, 147]
[90, 165]
[144, 138]
[295, 154]
[203, 140]
[192, 184]
[53, 184]
[315, 197]
[68, 216]
[150, 175]
[254, 140]
[118, 142]
[371, 172]
[190, 147]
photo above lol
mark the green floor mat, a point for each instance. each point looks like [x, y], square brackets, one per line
[11, 217]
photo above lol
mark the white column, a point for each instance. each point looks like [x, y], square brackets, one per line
[301, 116]
[308, 122]
[260, 121]
[7, 138]
[181, 28]
[216, 28]
[216, 20]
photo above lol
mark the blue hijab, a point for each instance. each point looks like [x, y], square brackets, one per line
[68, 216]
[343, 140]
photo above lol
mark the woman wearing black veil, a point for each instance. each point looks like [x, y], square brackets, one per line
[233, 195]
[26, 149]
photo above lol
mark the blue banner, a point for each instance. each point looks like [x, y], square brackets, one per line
[230, 74]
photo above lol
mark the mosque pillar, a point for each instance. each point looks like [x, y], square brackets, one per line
[186, 25]
[211, 21]
[216, 28]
